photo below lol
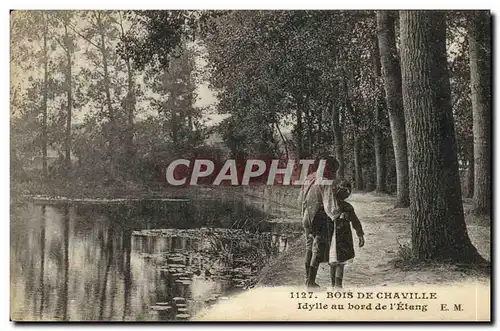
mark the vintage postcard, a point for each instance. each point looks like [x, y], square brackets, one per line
[258, 165]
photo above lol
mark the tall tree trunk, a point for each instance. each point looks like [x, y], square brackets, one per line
[339, 144]
[470, 170]
[282, 137]
[170, 106]
[319, 120]
[130, 107]
[107, 91]
[130, 101]
[190, 121]
[379, 146]
[309, 121]
[358, 170]
[299, 128]
[391, 72]
[436, 211]
[480, 57]
[67, 145]
[45, 101]
[378, 137]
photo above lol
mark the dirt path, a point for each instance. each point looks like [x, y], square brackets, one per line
[385, 229]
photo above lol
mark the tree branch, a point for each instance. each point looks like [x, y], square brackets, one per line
[83, 37]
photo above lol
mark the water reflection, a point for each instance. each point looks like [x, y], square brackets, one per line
[83, 262]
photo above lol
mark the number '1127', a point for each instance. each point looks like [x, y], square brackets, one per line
[301, 295]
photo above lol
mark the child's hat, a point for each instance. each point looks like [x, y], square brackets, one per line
[344, 190]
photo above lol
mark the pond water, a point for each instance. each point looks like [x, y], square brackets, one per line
[110, 262]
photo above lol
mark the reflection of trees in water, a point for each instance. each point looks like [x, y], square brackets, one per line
[194, 260]
[42, 261]
[80, 262]
[40, 267]
[109, 252]
[55, 269]
[64, 296]
[160, 214]
[127, 277]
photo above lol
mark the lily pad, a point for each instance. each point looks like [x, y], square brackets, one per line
[157, 308]
[163, 303]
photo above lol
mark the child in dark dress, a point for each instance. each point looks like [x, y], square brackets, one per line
[341, 246]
